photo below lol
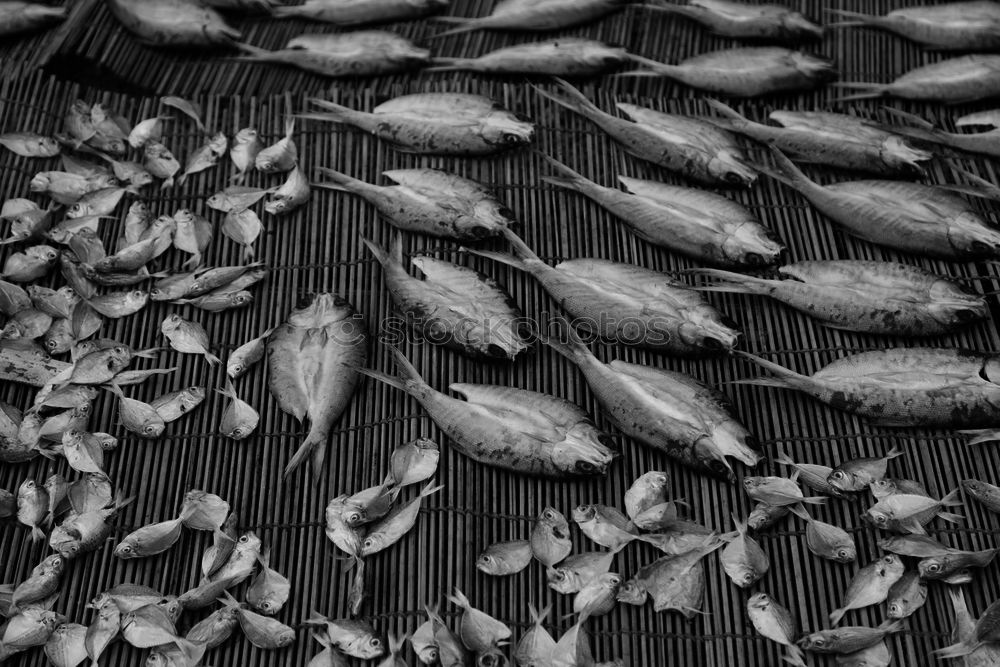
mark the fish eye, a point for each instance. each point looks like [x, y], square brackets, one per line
[558, 575]
[149, 429]
[749, 577]
[843, 553]
[486, 558]
[585, 466]
[839, 474]
[934, 567]
[244, 539]
[819, 641]
[753, 258]
[880, 518]
[966, 315]
[125, 549]
[890, 559]
[375, 641]
[549, 514]
[51, 343]
[369, 543]
[979, 246]
[710, 343]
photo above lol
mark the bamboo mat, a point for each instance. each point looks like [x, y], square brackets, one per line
[318, 249]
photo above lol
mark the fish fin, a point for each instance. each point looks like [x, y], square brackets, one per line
[787, 379]
[727, 112]
[951, 517]
[889, 626]
[315, 444]
[341, 181]
[212, 359]
[335, 112]
[836, 615]
[254, 53]
[869, 90]
[733, 283]
[783, 458]
[449, 64]
[538, 617]
[501, 257]
[895, 452]
[815, 500]
[795, 656]
[37, 534]
[656, 68]
[787, 172]
[430, 489]
[911, 118]
[567, 178]
[958, 650]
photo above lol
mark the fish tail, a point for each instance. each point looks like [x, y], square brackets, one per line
[430, 489]
[799, 510]
[538, 617]
[854, 19]
[576, 101]
[895, 452]
[567, 178]
[958, 650]
[733, 283]
[815, 500]
[836, 615]
[868, 90]
[728, 112]
[253, 53]
[982, 436]
[341, 181]
[464, 24]
[952, 499]
[656, 68]
[795, 656]
[783, 458]
[334, 112]
[502, 257]
[459, 599]
[37, 534]
[448, 64]
[951, 517]
[741, 526]
[787, 378]
[212, 359]
[572, 347]
[381, 255]
[787, 172]
[911, 118]
[889, 627]
[313, 441]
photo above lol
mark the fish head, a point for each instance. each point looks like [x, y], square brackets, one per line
[760, 601]
[248, 541]
[504, 129]
[107, 441]
[968, 236]
[555, 520]
[818, 641]
[140, 177]
[935, 567]
[891, 564]
[491, 659]
[53, 564]
[953, 305]
[877, 517]
[583, 451]
[752, 245]
[709, 455]
[731, 169]
[976, 488]
[241, 298]
[492, 218]
[841, 480]
[746, 575]
[632, 593]
[814, 68]
[708, 333]
[844, 553]
[584, 513]
[883, 488]
[560, 580]
[127, 549]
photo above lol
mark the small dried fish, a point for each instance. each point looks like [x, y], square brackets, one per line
[149, 540]
[983, 492]
[743, 559]
[206, 157]
[906, 596]
[570, 57]
[870, 585]
[281, 156]
[174, 405]
[138, 417]
[269, 590]
[848, 639]
[357, 53]
[292, 194]
[160, 162]
[774, 621]
[240, 419]
[174, 23]
[389, 530]
[355, 638]
[203, 511]
[540, 15]
[648, 490]
[29, 144]
[550, 542]
[479, 631]
[32, 507]
[188, 337]
[247, 355]
[414, 462]
[962, 79]
[605, 525]
[192, 235]
[246, 145]
[504, 558]
[748, 21]
[857, 474]
[150, 129]
[243, 227]
[360, 12]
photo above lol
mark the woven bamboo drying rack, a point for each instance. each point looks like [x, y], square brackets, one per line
[319, 248]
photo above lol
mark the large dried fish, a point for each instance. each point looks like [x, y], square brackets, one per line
[360, 12]
[833, 139]
[571, 57]
[668, 411]
[453, 305]
[911, 217]
[692, 147]
[360, 53]
[954, 26]
[535, 15]
[627, 304]
[313, 362]
[698, 223]
[963, 79]
[430, 201]
[858, 295]
[748, 21]
[519, 430]
[18, 17]
[902, 386]
[746, 71]
[436, 123]
[173, 22]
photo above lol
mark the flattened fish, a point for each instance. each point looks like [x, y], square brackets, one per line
[360, 53]
[313, 362]
[772, 23]
[173, 22]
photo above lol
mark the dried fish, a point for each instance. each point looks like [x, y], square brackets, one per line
[748, 21]
[188, 337]
[550, 542]
[955, 26]
[269, 590]
[870, 585]
[536, 15]
[665, 410]
[174, 22]
[625, 303]
[240, 419]
[962, 79]
[430, 201]
[504, 558]
[150, 540]
[292, 194]
[29, 144]
[280, 156]
[159, 161]
[857, 474]
[203, 511]
[536, 645]
[436, 124]
[389, 530]
[774, 621]
[743, 559]
[479, 631]
[174, 405]
[906, 513]
[848, 639]
[519, 430]
[570, 57]
[247, 355]
[414, 462]
[206, 157]
[355, 638]
[358, 53]
[983, 492]
[906, 595]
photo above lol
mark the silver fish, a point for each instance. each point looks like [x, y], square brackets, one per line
[313, 362]
[983, 492]
[628, 304]
[504, 558]
[906, 596]
[479, 631]
[574, 572]
[812, 475]
[535, 15]
[973, 638]
[245, 356]
[160, 162]
[149, 129]
[774, 621]
[536, 645]
[954, 26]
[962, 79]
[192, 235]
[550, 542]
[188, 337]
[519, 430]
[692, 147]
[915, 386]
[430, 201]
[748, 21]
[569, 57]
[243, 227]
[746, 71]
[665, 410]
[246, 145]
[848, 639]
[355, 638]
[20, 17]
[453, 305]
[701, 224]
[292, 194]
[174, 405]
[174, 22]
[360, 12]
[647, 491]
[29, 144]
[858, 295]
[240, 419]
[359, 53]
[436, 124]
[206, 156]
[280, 156]
[859, 474]
[150, 540]
[911, 217]
[414, 462]
[905, 513]
[675, 583]
[870, 585]
[743, 559]
[836, 140]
